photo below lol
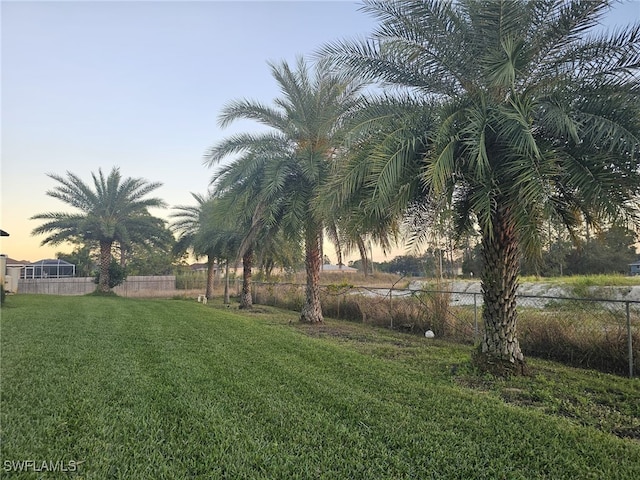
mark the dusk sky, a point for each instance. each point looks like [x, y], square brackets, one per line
[139, 85]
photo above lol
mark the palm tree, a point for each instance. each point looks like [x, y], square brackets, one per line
[237, 187]
[208, 229]
[282, 251]
[146, 231]
[193, 235]
[110, 212]
[525, 114]
[235, 192]
[239, 237]
[294, 157]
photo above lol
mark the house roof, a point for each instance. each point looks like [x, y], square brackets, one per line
[51, 261]
[11, 261]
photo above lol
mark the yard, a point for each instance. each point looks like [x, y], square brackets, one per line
[164, 388]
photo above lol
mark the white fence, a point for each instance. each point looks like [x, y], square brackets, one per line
[133, 286]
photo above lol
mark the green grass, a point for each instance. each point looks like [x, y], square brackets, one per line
[585, 281]
[154, 389]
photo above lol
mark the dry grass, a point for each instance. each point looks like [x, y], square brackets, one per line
[587, 336]
[587, 339]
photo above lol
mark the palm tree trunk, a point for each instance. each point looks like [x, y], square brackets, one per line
[312, 310]
[226, 283]
[123, 256]
[363, 255]
[245, 297]
[501, 263]
[105, 263]
[268, 269]
[339, 252]
[211, 275]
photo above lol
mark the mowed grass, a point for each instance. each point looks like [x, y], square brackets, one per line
[163, 389]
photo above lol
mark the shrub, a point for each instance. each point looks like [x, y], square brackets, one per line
[117, 274]
[438, 318]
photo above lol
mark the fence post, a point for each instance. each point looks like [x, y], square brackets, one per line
[629, 340]
[475, 317]
[390, 305]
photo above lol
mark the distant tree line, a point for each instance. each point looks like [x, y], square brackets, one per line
[607, 252]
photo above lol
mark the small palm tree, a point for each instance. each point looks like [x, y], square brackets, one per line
[237, 188]
[192, 235]
[514, 114]
[109, 212]
[291, 162]
[203, 228]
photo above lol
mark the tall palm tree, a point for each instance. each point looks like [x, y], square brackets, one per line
[526, 113]
[109, 212]
[294, 156]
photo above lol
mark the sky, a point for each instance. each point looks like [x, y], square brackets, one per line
[89, 85]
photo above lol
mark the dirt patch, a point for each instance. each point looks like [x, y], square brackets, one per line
[632, 433]
[328, 331]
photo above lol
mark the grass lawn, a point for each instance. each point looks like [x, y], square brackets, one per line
[173, 389]
[585, 281]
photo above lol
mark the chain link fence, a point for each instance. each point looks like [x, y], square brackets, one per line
[598, 333]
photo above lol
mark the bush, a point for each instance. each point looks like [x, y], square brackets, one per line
[437, 311]
[117, 274]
